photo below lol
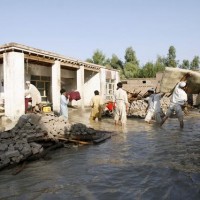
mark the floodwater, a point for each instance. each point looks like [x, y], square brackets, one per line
[141, 161]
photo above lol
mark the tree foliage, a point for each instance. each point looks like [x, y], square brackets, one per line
[185, 64]
[195, 63]
[130, 56]
[160, 64]
[131, 65]
[98, 58]
[149, 70]
[171, 59]
[130, 68]
[116, 63]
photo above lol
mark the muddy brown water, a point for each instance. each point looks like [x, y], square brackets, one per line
[140, 161]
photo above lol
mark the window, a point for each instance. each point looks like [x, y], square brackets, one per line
[109, 89]
[42, 83]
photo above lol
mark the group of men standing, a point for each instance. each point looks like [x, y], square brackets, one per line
[121, 105]
[120, 98]
[177, 101]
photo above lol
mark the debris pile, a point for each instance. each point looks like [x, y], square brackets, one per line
[34, 134]
[81, 132]
[138, 107]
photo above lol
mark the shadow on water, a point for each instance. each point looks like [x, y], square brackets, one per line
[140, 161]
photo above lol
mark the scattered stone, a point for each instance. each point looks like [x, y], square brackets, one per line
[138, 107]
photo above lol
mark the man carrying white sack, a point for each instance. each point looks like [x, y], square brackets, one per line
[35, 96]
[177, 101]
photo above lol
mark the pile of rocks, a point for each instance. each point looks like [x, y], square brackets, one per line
[81, 129]
[81, 132]
[24, 139]
[138, 107]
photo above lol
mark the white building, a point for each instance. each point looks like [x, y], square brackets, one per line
[49, 72]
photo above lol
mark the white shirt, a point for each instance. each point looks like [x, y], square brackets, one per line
[121, 96]
[179, 96]
[150, 102]
[156, 102]
[35, 95]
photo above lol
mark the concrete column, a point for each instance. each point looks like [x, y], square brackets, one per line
[13, 68]
[103, 83]
[117, 77]
[1, 82]
[80, 84]
[56, 79]
[92, 83]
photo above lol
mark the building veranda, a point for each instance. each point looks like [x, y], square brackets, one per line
[49, 72]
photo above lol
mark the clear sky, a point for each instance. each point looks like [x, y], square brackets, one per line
[76, 28]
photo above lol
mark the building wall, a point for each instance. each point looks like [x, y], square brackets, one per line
[139, 85]
[1, 86]
[92, 83]
[39, 70]
[143, 84]
[98, 81]
[68, 80]
[1, 80]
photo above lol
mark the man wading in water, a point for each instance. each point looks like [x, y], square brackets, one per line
[154, 108]
[122, 105]
[177, 101]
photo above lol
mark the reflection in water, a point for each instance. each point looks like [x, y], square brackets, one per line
[140, 161]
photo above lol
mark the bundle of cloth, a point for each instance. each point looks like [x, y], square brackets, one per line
[74, 95]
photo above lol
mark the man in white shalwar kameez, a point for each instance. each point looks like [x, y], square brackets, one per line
[150, 109]
[63, 104]
[178, 99]
[121, 100]
[35, 96]
[154, 107]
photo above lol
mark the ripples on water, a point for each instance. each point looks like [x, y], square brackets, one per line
[140, 161]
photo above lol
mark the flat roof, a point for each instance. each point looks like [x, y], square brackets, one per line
[38, 55]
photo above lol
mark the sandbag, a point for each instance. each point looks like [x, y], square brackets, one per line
[172, 76]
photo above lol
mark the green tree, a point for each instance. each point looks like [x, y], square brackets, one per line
[90, 60]
[130, 56]
[107, 63]
[140, 73]
[98, 58]
[160, 64]
[131, 65]
[116, 63]
[194, 65]
[130, 70]
[171, 57]
[185, 64]
[149, 70]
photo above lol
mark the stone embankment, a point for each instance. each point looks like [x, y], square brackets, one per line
[32, 133]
